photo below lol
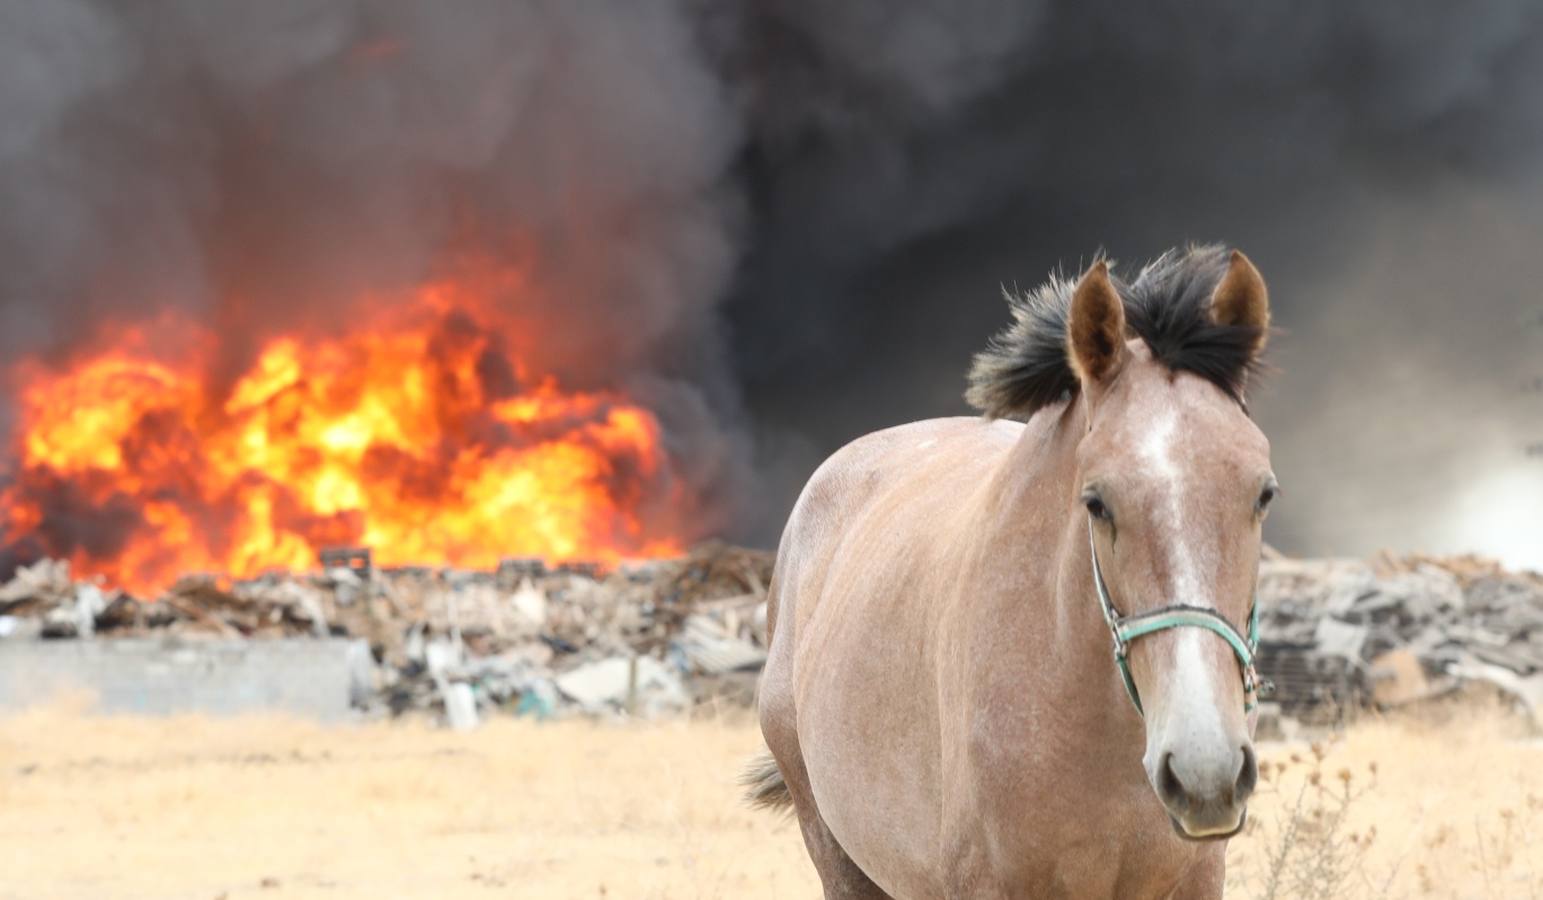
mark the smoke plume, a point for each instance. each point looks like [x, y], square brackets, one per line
[1380, 163]
[781, 223]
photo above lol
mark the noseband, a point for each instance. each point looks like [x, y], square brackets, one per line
[1125, 629]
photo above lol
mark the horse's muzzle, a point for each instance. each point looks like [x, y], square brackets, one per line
[1202, 805]
[1179, 830]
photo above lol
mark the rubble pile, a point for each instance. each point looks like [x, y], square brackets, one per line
[659, 637]
[647, 638]
[1340, 634]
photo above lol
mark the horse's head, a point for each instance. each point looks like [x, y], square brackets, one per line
[1175, 481]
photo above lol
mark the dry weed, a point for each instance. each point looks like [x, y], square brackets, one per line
[1440, 805]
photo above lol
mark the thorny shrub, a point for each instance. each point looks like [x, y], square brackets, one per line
[1310, 851]
[1308, 845]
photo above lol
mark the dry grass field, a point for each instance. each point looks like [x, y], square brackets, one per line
[101, 807]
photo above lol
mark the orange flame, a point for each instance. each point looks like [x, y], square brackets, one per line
[422, 438]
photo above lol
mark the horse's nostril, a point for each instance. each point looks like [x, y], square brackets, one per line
[1248, 775]
[1168, 784]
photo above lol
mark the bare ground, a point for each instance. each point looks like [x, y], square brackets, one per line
[94, 807]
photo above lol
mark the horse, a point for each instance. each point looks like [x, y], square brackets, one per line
[940, 705]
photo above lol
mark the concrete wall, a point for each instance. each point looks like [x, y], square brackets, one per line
[305, 676]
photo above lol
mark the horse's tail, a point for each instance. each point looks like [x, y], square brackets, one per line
[763, 784]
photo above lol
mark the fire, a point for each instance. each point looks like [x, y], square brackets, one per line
[422, 437]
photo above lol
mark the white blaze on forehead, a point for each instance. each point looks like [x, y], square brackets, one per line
[1157, 451]
[1191, 694]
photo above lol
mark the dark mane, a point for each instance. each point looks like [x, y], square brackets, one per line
[1024, 368]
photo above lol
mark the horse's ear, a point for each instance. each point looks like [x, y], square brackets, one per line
[1241, 299]
[1095, 336]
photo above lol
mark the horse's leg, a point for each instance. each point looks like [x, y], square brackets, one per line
[839, 875]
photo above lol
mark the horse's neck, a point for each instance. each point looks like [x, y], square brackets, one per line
[1033, 515]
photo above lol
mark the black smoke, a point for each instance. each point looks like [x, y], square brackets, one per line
[783, 223]
[1380, 161]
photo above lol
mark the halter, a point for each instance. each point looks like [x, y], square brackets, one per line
[1125, 629]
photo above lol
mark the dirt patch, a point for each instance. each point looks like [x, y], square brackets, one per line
[96, 807]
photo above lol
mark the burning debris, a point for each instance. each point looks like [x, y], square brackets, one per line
[429, 416]
[365, 275]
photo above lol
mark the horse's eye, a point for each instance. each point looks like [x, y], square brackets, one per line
[1266, 496]
[1097, 509]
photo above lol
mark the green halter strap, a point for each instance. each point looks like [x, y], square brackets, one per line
[1125, 629]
